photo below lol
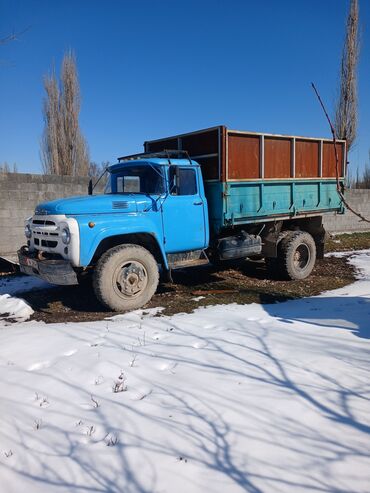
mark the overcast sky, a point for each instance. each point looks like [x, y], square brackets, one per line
[149, 69]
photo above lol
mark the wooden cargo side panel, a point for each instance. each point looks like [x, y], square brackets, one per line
[243, 156]
[307, 158]
[277, 157]
[329, 161]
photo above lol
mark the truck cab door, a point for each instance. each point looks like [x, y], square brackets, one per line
[184, 212]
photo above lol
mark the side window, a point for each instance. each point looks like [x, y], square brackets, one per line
[182, 181]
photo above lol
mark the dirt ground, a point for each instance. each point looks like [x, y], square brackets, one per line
[245, 282]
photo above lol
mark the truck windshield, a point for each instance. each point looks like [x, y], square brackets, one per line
[136, 179]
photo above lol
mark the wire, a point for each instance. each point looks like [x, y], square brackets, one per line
[339, 188]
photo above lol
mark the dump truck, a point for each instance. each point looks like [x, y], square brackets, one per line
[213, 195]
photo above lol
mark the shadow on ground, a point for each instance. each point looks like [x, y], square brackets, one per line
[246, 282]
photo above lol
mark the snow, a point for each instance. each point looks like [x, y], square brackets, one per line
[257, 398]
[14, 308]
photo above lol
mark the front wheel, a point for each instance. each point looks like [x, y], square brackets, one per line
[126, 277]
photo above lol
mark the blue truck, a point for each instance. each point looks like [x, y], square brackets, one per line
[212, 195]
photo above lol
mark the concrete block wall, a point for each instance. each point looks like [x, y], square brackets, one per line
[19, 195]
[359, 200]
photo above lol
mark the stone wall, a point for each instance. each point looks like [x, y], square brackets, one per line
[359, 200]
[20, 193]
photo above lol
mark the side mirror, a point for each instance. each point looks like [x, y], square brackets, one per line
[90, 187]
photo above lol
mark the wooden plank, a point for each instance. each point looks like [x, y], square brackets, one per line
[277, 158]
[328, 160]
[243, 156]
[307, 158]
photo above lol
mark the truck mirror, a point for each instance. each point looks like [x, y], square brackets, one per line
[90, 187]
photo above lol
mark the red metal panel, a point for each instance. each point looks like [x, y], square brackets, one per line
[307, 158]
[329, 162]
[277, 157]
[243, 156]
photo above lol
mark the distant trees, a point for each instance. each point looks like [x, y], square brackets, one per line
[64, 150]
[95, 169]
[346, 114]
[6, 168]
[362, 180]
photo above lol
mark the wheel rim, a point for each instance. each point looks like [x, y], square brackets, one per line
[302, 257]
[130, 279]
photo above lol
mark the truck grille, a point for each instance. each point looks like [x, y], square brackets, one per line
[40, 222]
[44, 232]
[46, 243]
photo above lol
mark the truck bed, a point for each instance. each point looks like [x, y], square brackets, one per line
[250, 177]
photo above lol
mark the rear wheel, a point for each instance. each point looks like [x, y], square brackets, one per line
[296, 256]
[126, 277]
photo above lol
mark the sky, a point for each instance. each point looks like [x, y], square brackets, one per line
[149, 69]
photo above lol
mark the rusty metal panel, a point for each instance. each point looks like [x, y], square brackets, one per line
[307, 158]
[243, 156]
[277, 157]
[329, 162]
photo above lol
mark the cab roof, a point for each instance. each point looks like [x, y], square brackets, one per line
[166, 157]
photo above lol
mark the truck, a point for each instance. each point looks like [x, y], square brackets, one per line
[208, 196]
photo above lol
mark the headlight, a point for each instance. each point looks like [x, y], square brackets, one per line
[27, 231]
[66, 236]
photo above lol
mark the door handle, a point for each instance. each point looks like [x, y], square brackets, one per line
[198, 203]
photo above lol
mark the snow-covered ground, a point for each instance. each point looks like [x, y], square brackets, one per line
[257, 398]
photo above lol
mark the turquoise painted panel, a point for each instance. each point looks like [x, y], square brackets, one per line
[246, 202]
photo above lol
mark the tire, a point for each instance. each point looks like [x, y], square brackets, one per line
[125, 277]
[297, 255]
[274, 264]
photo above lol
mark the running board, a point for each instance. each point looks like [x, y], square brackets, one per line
[187, 259]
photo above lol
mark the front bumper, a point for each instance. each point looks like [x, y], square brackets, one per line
[54, 271]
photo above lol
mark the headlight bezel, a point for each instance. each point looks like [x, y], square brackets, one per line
[65, 236]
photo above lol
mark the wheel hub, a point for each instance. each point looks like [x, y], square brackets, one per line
[131, 279]
[301, 256]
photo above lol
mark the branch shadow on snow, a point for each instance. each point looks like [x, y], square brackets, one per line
[221, 438]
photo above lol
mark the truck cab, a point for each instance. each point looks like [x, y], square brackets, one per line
[153, 209]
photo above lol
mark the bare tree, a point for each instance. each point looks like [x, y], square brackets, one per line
[362, 180]
[63, 148]
[50, 144]
[5, 168]
[346, 114]
[12, 37]
[95, 169]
